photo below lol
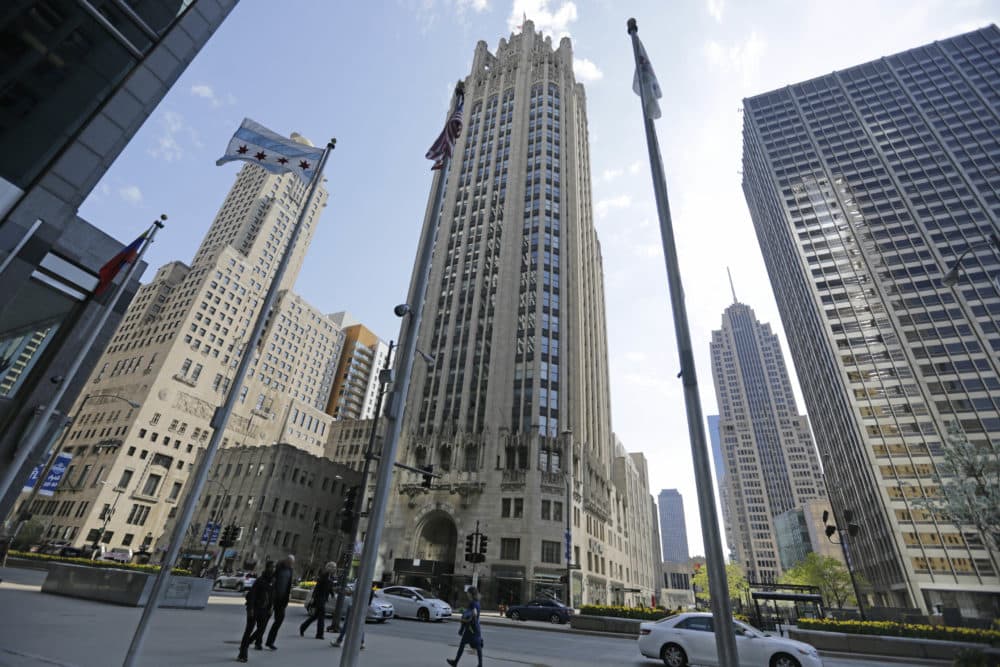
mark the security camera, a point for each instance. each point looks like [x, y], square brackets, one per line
[402, 310]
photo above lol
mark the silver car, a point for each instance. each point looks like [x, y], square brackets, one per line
[412, 602]
[379, 611]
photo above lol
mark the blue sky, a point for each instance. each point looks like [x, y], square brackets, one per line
[378, 77]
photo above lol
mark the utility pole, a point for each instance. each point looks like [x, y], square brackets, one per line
[384, 379]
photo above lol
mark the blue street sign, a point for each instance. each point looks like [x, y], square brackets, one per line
[569, 543]
[211, 533]
[55, 475]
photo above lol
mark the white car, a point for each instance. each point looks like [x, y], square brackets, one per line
[689, 639]
[379, 611]
[410, 602]
[120, 554]
[237, 582]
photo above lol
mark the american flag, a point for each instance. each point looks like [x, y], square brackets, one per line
[445, 143]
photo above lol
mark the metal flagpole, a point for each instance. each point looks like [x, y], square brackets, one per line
[218, 424]
[40, 426]
[404, 362]
[725, 641]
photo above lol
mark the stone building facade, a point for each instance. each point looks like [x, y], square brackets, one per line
[175, 354]
[514, 412]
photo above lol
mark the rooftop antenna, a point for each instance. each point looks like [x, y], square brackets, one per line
[729, 273]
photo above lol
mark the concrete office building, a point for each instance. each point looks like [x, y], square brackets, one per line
[770, 460]
[865, 186]
[356, 385]
[281, 499]
[515, 411]
[673, 527]
[175, 354]
[78, 85]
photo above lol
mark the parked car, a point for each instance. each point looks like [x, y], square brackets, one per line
[50, 548]
[541, 609]
[379, 611]
[689, 639]
[72, 552]
[238, 582]
[120, 554]
[411, 602]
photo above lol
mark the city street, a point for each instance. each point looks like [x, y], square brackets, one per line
[37, 630]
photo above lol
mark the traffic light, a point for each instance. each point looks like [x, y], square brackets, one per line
[469, 543]
[427, 477]
[483, 542]
[228, 536]
[347, 510]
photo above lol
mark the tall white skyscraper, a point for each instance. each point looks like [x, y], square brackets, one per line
[514, 413]
[770, 462]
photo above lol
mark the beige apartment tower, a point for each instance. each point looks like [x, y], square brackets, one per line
[514, 412]
[175, 355]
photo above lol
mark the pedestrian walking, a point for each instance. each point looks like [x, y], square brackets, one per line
[259, 601]
[347, 619]
[321, 593]
[283, 575]
[470, 630]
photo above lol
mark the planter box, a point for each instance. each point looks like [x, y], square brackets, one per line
[621, 626]
[124, 587]
[906, 647]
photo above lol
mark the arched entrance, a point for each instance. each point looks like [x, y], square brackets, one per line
[433, 557]
[437, 538]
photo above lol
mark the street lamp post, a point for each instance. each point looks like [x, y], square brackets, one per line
[851, 530]
[568, 465]
[107, 518]
[25, 512]
[951, 278]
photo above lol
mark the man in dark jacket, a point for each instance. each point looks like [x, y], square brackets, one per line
[320, 594]
[283, 575]
[259, 601]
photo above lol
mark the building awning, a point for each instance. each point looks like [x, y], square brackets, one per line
[791, 597]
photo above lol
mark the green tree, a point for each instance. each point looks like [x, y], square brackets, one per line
[826, 573]
[30, 533]
[734, 578]
[969, 486]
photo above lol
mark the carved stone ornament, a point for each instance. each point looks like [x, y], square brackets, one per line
[194, 405]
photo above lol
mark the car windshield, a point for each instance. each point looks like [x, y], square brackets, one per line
[422, 593]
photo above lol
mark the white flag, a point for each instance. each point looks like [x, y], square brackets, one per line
[645, 76]
[255, 143]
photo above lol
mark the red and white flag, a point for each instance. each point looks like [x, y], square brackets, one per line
[444, 145]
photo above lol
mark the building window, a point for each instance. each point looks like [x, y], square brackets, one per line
[510, 548]
[126, 478]
[518, 508]
[550, 551]
[152, 484]
[175, 491]
[505, 508]
[127, 540]
[546, 509]
[557, 508]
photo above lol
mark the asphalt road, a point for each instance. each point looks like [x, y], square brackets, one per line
[38, 629]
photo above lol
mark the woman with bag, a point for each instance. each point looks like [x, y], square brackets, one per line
[321, 593]
[470, 630]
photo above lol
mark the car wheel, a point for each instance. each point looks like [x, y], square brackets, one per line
[423, 614]
[217, 586]
[554, 618]
[784, 660]
[515, 615]
[673, 656]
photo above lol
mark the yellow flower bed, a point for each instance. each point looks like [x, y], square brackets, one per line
[151, 569]
[891, 629]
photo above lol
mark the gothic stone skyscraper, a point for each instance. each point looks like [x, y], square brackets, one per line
[864, 186]
[769, 458]
[175, 354]
[516, 405]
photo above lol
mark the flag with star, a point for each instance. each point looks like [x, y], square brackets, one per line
[445, 143]
[255, 143]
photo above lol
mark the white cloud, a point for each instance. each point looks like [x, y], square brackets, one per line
[715, 9]
[131, 193]
[475, 5]
[168, 147]
[586, 70]
[551, 22]
[207, 92]
[605, 205]
[634, 167]
[742, 59]
[611, 174]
